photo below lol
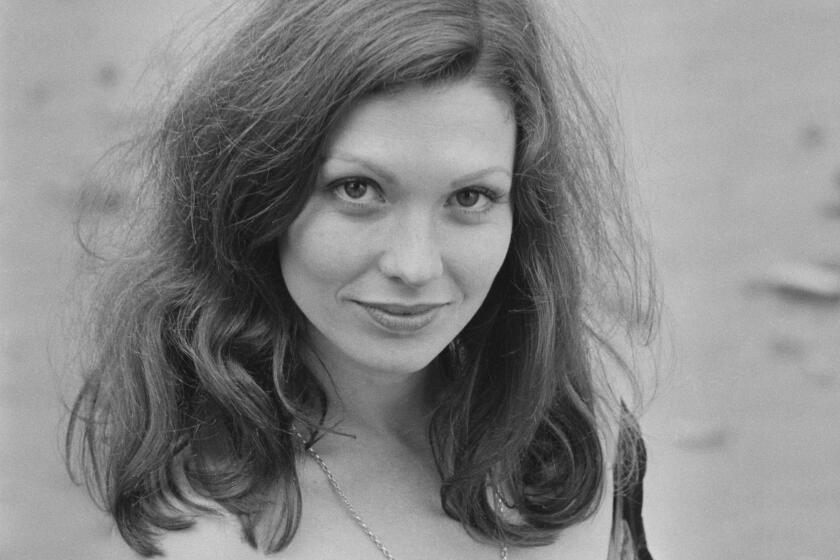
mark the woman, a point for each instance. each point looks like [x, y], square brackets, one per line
[369, 318]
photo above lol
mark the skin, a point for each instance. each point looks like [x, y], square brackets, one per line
[410, 208]
[400, 214]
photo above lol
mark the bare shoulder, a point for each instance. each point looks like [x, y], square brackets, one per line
[587, 540]
[591, 538]
[212, 537]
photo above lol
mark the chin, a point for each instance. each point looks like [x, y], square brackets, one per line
[404, 366]
[399, 361]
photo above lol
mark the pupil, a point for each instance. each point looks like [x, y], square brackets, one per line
[355, 189]
[467, 198]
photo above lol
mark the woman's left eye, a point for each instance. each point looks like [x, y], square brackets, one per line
[467, 198]
[475, 199]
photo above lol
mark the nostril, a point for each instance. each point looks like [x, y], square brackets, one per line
[412, 270]
[413, 260]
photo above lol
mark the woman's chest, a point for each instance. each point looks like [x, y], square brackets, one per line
[409, 524]
[406, 536]
[386, 515]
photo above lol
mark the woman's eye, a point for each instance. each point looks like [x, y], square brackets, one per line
[475, 199]
[356, 191]
[467, 198]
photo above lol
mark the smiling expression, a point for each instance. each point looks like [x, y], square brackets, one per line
[408, 224]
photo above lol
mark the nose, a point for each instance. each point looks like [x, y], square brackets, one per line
[412, 251]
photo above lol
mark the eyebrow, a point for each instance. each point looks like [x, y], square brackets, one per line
[390, 177]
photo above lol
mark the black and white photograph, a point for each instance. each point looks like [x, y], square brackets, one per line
[414, 279]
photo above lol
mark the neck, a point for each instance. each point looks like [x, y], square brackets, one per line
[379, 407]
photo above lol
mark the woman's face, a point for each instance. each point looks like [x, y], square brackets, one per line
[408, 224]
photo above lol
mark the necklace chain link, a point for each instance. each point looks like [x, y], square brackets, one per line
[345, 501]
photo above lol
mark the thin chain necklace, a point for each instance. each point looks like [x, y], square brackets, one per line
[345, 501]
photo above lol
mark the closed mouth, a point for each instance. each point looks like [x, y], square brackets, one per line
[399, 318]
[402, 309]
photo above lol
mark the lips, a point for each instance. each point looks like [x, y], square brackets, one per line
[401, 309]
[401, 318]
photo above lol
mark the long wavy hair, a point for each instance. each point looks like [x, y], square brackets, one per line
[194, 376]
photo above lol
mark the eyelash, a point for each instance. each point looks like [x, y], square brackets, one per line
[336, 187]
[491, 195]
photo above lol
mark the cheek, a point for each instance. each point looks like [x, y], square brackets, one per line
[318, 251]
[480, 257]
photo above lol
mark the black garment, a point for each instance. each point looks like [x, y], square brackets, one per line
[628, 527]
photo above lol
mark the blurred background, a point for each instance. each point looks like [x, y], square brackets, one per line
[731, 112]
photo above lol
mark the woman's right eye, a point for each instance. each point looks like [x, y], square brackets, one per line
[357, 191]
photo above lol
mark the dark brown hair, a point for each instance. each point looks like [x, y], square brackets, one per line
[194, 375]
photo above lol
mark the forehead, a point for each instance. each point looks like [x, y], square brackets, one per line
[465, 117]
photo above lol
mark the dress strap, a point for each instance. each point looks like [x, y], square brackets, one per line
[628, 526]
